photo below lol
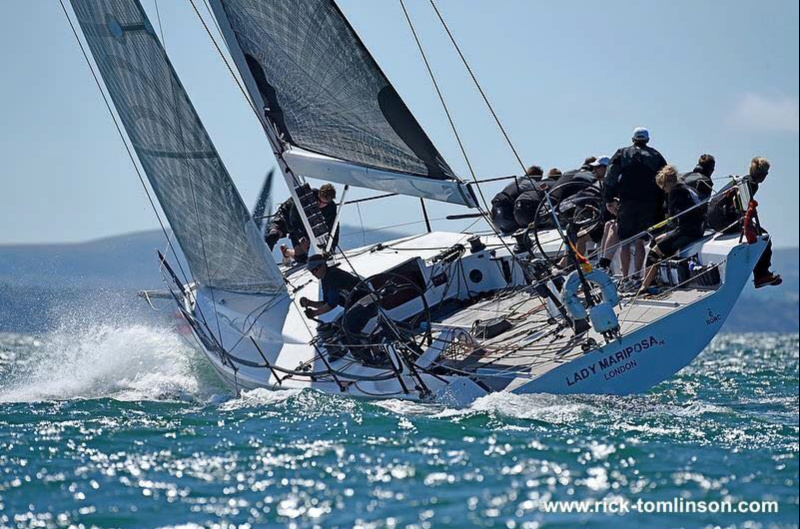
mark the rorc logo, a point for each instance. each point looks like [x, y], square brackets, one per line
[712, 318]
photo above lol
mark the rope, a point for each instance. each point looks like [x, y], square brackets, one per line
[478, 86]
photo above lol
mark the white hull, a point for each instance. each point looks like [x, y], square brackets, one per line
[651, 354]
[658, 338]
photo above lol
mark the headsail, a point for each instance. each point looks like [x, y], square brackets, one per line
[211, 222]
[319, 86]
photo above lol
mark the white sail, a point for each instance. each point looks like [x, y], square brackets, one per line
[221, 242]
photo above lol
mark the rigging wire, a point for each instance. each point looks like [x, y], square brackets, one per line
[124, 142]
[225, 60]
[160, 25]
[486, 209]
[477, 85]
[438, 90]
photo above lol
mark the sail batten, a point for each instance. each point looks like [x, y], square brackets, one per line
[324, 93]
[212, 225]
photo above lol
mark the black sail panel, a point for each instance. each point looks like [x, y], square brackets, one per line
[211, 223]
[324, 91]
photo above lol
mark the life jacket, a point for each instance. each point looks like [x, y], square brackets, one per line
[637, 166]
[723, 212]
[562, 191]
[525, 207]
[700, 182]
[513, 190]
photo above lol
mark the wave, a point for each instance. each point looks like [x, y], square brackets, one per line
[124, 362]
[259, 398]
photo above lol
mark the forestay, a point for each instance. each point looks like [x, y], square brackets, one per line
[319, 86]
[212, 225]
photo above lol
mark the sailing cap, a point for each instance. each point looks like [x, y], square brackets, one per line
[602, 161]
[641, 134]
[315, 261]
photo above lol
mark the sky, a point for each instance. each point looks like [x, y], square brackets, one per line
[567, 79]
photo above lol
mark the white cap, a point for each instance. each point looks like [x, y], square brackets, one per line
[601, 161]
[641, 134]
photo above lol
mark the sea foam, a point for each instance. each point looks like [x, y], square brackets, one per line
[125, 362]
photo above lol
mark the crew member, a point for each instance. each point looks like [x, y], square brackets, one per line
[527, 203]
[602, 234]
[631, 193]
[339, 286]
[554, 174]
[724, 215]
[585, 173]
[700, 178]
[609, 239]
[503, 203]
[287, 223]
[683, 205]
[584, 202]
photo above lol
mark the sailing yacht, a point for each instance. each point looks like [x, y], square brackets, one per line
[455, 315]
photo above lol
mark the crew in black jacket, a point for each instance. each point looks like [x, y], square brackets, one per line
[287, 223]
[585, 173]
[683, 205]
[700, 179]
[725, 215]
[503, 202]
[631, 193]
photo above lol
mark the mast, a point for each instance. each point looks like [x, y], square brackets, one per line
[328, 110]
[263, 207]
[293, 181]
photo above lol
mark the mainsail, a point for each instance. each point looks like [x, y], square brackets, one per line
[324, 93]
[211, 222]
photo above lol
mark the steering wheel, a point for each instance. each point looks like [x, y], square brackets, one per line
[384, 288]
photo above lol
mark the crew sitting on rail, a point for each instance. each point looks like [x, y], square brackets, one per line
[725, 216]
[503, 203]
[689, 219]
[339, 286]
[287, 223]
[630, 178]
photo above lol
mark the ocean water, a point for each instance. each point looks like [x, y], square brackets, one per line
[125, 425]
